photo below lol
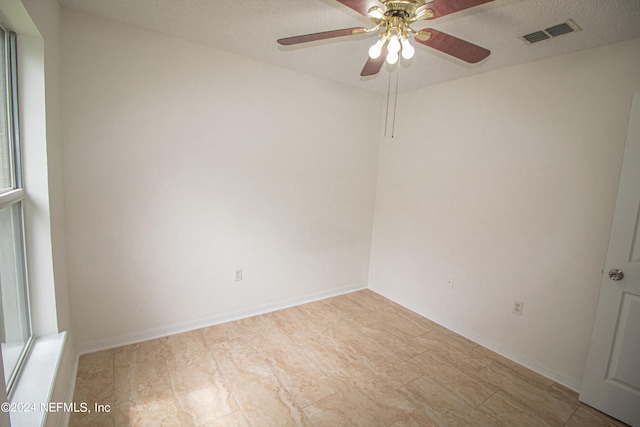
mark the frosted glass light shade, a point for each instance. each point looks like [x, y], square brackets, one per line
[376, 49]
[407, 49]
[392, 57]
[394, 44]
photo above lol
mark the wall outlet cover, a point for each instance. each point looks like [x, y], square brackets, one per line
[517, 307]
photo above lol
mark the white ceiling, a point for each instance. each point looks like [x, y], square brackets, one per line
[251, 28]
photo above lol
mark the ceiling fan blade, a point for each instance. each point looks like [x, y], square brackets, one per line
[453, 46]
[372, 67]
[361, 6]
[445, 7]
[321, 36]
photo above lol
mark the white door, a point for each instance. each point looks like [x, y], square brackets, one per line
[611, 382]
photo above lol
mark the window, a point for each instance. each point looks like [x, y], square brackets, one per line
[15, 332]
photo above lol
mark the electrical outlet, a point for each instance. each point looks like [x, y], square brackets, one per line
[450, 283]
[237, 275]
[517, 307]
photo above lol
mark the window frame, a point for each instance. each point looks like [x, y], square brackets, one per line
[15, 195]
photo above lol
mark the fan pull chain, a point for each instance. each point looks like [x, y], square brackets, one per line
[386, 116]
[395, 102]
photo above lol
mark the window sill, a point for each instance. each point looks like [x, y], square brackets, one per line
[32, 391]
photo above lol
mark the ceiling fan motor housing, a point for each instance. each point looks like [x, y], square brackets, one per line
[406, 8]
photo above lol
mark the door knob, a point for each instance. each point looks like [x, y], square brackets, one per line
[615, 274]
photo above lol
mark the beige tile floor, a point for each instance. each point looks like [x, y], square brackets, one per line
[353, 360]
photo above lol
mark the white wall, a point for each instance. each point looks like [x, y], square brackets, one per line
[184, 162]
[508, 186]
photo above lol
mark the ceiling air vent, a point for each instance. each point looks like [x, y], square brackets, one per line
[558, 30]
[538, 36]
[554, 31]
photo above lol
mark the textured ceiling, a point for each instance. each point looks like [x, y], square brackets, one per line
[251, 28]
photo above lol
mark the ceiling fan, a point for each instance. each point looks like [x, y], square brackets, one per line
[392, 20]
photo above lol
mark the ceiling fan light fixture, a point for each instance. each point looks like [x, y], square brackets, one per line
[376, 49]
[392, 23]
[394, 44]
[407, 49]
[392, 57]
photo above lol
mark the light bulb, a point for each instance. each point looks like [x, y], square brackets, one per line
[376, 49]
[407, 49]
[394, 44]
[392, 57]
[375, 13]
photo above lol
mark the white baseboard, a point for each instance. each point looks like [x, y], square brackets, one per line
[163, 331]
[140, 336]
[520, 359]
